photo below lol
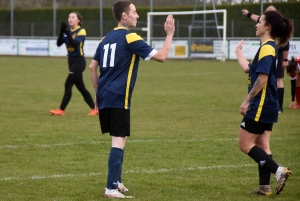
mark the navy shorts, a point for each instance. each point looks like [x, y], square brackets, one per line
[115, 121]
[255, 127]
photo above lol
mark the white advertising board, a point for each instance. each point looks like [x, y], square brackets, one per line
[179, 48]
[57, 51]
[249, 48]
[90, 47]
[8, 46]
[33, 47]
[294, 49]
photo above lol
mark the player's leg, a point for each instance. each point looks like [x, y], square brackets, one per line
[263, 141]
[298, 91]
[78, 67]
[248, 134]
[67, 95]
[115, 163]
[293, 93]
[280, 86]
[117, 123]
[280, 93]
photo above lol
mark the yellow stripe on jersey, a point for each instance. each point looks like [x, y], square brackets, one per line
[266, 50]
[102, 39]
[129, 80]
[81, 49]
[261, 103]
[132, 37]
[82, 32]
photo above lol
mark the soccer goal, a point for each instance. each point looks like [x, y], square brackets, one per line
[191, 45]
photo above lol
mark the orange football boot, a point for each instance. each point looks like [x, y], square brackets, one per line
[57, 112]
[93, 112]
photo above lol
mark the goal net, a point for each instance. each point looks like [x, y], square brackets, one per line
[199, 34]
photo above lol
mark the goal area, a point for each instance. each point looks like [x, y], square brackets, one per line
[196, 36]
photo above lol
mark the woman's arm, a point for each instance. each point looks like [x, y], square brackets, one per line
[259, 84]
[72, 42]
[240, 57]
[94, 74]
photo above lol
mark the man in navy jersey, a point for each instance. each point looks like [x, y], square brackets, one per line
[118, 56]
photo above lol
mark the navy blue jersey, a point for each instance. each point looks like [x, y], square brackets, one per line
[264, 106]
[78, 34]
[118, 55]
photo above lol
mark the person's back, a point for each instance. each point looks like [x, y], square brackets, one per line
[122, 51]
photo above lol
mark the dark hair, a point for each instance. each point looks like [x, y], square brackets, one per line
[282, 28]
[78, 16]
[291, 68]
[119, 7]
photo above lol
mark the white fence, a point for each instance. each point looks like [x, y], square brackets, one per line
[180, 48]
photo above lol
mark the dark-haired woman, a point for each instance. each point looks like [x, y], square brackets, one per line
[74, 38]
[260, 107]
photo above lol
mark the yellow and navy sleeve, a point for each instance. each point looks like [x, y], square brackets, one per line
[137, 45]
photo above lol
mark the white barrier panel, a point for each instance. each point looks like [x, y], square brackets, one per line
[8, 46]
[294, 49]
[33, 47]
[249, 48]
[57, 51]
[90, 47]
[179, 48]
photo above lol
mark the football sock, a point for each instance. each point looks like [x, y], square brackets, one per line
[264, 175]
[280, 97]
[293, 89]
[298, 95]
[263, 159]
[120, 175]
[114, 167]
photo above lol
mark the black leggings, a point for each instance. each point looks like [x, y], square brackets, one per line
[76, 67]
[293, 89]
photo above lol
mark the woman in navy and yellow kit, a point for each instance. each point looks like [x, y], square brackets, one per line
[260, 107]
[74, 38]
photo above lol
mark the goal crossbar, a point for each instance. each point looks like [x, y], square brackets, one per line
[149, 14]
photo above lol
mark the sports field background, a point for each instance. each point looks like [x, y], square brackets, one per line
[183, 144]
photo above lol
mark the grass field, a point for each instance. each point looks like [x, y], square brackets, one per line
[183, 144]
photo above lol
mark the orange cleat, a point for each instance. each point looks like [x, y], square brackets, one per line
[57, 112]
[292, 105]
[297, 106]
[93, 112]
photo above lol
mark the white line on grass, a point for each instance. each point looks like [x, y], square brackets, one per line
[129, 141]
[148, 171]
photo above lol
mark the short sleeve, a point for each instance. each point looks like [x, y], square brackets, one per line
[137, 45]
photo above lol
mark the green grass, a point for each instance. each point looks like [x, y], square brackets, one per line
[183, 144]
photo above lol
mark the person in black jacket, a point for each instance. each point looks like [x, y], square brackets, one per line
[74, 37]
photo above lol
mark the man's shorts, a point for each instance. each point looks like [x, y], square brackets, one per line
[255, 127]
[115, 121]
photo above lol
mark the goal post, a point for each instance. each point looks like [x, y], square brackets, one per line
[223, 50]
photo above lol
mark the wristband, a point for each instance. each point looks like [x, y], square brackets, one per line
[285, 60]
[249, 15]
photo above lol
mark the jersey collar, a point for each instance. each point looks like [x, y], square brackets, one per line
[267, 41]
[75, 28]
[118, 28]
